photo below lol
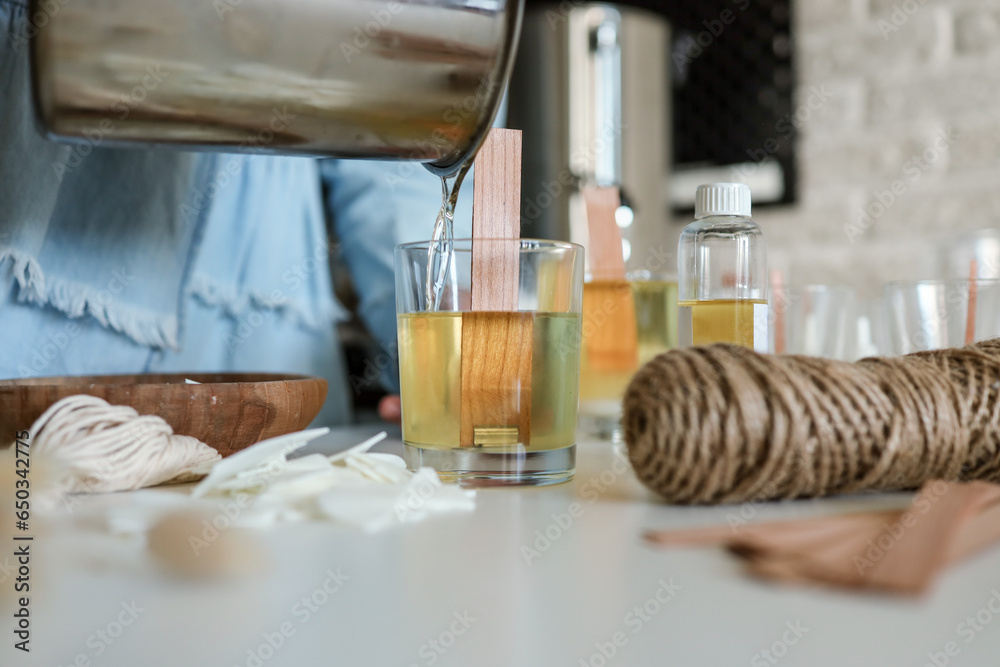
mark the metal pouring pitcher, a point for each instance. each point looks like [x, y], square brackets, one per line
[395, 79]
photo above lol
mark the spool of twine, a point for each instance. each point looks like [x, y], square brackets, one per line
[98, 447]
[724, 424]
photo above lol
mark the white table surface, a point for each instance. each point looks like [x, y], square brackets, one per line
[405, 588]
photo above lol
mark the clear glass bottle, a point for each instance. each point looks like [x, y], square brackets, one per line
[722, 267]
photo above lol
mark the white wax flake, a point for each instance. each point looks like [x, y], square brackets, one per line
[360, 448]
[373, 507]
[306, 486]
[258, 460]
[378, 469]
[354, 487]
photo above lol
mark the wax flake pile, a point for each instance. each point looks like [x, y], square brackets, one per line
[93, 447]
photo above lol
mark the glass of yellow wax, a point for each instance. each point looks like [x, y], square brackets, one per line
[490, 396]
[625, 324]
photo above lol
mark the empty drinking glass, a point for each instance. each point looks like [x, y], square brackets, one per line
[936, 314]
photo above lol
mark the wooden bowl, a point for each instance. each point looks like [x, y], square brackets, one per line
[227, 411]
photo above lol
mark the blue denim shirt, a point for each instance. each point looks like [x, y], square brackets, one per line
[128, 260]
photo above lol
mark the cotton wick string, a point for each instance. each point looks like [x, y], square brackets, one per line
[99, 447]
[723, 424]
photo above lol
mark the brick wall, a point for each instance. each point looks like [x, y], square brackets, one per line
[901, 144]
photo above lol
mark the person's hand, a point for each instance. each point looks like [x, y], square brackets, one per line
[390, 409]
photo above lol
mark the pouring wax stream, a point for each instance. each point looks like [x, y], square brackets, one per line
[441, 250]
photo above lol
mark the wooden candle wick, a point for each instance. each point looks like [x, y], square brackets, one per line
[496, 338]
[970, 314]
[611, 340]
[604, 247]
[780, 309]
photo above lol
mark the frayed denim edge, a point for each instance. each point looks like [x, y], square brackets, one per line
[235, 303]
[76, 300]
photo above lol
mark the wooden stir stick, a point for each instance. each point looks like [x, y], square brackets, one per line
[970, 313]
[610, 333]
[780, 311]
[496, 338]
[604, 249]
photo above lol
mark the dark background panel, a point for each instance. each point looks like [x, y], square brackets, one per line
[733, 80]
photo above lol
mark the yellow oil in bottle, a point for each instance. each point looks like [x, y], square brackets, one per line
[722, 271]
[724, 321]
[430, 355]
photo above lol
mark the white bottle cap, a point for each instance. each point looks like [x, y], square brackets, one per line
[722, 199]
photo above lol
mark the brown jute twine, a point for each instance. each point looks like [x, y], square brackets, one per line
[723, 424]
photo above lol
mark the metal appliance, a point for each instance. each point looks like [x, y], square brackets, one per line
[590, 90]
